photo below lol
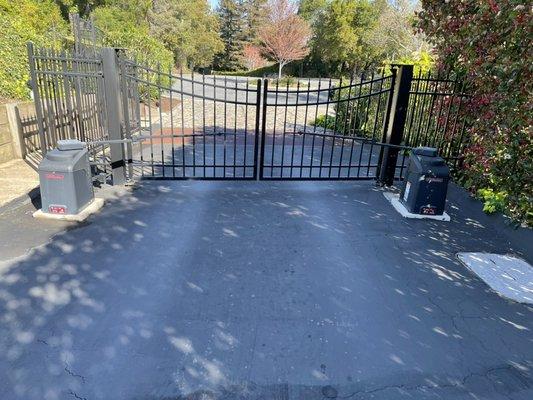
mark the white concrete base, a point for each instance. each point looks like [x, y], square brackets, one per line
[394, 199]
[97, 204]
[509, 276]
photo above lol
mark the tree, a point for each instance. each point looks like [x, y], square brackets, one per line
[22, 21]
[255, 15]
[343, 36]
[310, 10]
[82, 7]
[188, 29]
[394, 35]
[121, 29]
[285, 36]
[232, 28]
[252, 57]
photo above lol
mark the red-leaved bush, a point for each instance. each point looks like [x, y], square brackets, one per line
[489, 42]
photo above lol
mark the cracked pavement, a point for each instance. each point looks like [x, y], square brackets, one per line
[258, 290]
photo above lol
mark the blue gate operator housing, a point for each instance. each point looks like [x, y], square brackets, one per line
[425, 187]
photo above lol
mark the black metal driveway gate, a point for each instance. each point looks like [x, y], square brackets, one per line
[212, 127]
[142, 122]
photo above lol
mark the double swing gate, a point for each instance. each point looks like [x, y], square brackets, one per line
[219, 127]
[145, 122]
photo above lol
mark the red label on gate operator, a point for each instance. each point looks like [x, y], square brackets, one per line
[428, 210]
[54, 176]
[57, 209]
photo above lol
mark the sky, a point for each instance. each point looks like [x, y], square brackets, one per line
[213, 3]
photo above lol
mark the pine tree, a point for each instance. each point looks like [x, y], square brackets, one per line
[232, 29]
[256, 14]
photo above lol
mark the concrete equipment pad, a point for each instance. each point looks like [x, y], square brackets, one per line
[394, 199]
[93, 207]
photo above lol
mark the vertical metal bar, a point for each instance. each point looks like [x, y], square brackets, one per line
[452, 96]
[171, 90]
[431, 108]
[256, 133]
[36, 97]
[79, 104]
[158, 82]
[150, 125]
[305, 126]
[214, 126]
[235, 131]
[369, 102]
[58, 95]
[225, 122]
[356, 124]
[182, 127]
[325, 130]
[193, 126]
[203, 121]
[263, 129]
[295, 123]
[387, 114]
[378, 108]
[245, 129]
[314, 128]
[424, 98]
[274, 128]
[284, 129]
[344, 126]
[396, 124]
[411, 109]
[112, 93]
[335, 131]
[138, 106]
[45, 83]
[67, 93]
[127, 123]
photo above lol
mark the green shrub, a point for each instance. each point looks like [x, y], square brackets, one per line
[324, 121]
[492, 201]
[489, 42]
[20, 22]
[121, 30]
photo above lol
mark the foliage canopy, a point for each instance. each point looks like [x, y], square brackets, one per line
[20, 22]
[491, 44]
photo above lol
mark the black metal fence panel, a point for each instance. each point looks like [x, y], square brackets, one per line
[69, 100]
[87, 37]
[435, 119]
[190, 126]
[325, 129]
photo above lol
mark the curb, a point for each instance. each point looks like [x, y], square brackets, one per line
[21, 200]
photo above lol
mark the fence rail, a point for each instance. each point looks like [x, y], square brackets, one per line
[435, 117]
[69, 101]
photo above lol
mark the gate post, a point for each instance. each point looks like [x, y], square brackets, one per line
[113, 113]
[397, 113]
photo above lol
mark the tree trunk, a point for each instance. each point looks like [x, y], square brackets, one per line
[279, 70]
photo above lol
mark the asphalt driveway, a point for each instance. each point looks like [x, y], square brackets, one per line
[258, 290]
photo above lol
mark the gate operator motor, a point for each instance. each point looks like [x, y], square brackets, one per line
[426, 184]
[65, 178]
